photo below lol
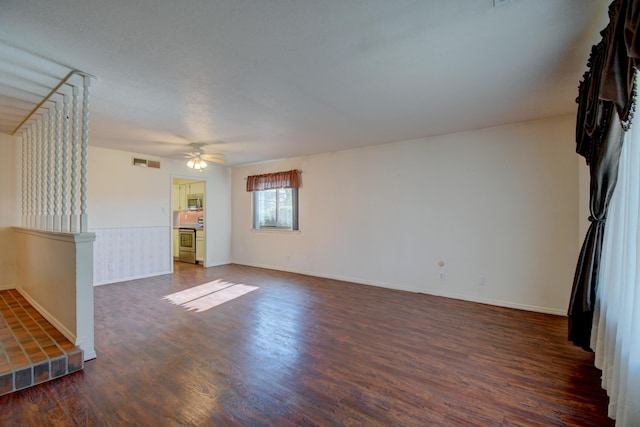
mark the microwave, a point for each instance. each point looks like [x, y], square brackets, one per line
[194, 201]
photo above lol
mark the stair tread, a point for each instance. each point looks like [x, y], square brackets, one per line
[28, 340]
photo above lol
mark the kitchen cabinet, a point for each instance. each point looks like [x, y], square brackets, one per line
[175, 204]
[179, 197]
[176, 243]
[182, 191]
[195, 188]
[200, 246]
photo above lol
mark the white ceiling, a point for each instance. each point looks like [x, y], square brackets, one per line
[272, 79]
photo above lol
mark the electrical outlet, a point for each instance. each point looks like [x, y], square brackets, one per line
[442, 275]
[480, 281]
[110, 266]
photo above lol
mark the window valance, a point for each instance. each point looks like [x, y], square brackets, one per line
[608, 82]
[269, 181]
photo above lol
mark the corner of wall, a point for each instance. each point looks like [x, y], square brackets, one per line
[8, 261]
[9, 210]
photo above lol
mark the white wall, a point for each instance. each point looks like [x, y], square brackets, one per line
[127, 253]
[499, 203]
[54, 275]
[126, 200]
[217, 215]
[9, 209]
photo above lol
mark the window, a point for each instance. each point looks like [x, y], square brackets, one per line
[275, 200]
[276, 209]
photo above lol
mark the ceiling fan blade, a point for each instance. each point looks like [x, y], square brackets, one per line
[220, 161]
[212, 156]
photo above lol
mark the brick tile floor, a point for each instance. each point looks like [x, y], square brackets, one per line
[32, 350]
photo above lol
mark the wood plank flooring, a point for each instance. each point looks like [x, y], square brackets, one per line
[307, 351]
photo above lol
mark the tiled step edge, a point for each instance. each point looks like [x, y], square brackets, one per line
[50, 369]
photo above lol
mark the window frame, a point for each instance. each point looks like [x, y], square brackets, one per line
[294, 211]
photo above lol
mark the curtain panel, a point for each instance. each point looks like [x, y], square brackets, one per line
[607, 86]
[269, 181]
[604, 172]
[616, 321]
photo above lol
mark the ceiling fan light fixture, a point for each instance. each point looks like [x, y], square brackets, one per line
[196, 163]
[197, 157]
[201, 165]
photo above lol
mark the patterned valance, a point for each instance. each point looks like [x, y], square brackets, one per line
[269, 181]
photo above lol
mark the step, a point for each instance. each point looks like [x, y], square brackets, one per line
[32, 350]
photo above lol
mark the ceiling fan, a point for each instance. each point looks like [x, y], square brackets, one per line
[198, 158]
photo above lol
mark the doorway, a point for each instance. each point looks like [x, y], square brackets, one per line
[188, 206]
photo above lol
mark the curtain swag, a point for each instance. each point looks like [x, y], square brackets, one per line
[268, 181]
[606, 92]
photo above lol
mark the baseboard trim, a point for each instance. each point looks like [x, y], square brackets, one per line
[126, 279]
[50, 318]
[216, 264]
[498, 303]
[87, 353]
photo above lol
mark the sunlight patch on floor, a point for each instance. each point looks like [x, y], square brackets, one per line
[209, 295]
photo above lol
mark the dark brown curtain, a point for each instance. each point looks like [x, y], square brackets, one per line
[268, 181]
[604, 173]
[607, 87]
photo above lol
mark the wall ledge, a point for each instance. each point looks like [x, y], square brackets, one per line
[58, 235]
[55, 275]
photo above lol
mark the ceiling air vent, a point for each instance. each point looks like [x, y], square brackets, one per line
[135, 161]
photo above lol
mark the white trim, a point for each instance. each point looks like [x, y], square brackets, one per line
[215, 264]
[86, 355]
[500, 303]
[88, 351]
[126, 279]
[127, 227]
[50, 318]
[274, 230]
[57, 235]
[144, 276]
[359, 281]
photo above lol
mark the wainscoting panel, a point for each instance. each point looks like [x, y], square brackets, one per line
[131, 253]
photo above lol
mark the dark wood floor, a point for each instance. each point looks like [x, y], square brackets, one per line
[306, 351]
